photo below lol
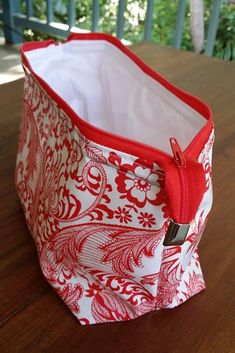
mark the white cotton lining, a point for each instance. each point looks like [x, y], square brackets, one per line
[106, 88]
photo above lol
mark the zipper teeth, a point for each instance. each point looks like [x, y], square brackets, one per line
[136, 142]
[184, 196]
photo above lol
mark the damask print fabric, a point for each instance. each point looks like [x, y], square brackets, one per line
[98, 207]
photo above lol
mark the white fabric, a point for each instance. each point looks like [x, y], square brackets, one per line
[109, 90]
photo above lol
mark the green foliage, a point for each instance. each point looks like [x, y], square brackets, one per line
[225, 43]
[164, 18]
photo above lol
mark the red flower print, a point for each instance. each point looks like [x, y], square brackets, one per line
[51, 195]
[93, 290]
[139, 190]
[146, 219]
[74, 158]
[64, 125]
[123, 215]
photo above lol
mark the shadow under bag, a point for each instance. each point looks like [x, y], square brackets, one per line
[114, 175]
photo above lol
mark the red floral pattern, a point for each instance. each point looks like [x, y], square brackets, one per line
[139, 190]
[146, 219]
[123, 215]
[99, 217]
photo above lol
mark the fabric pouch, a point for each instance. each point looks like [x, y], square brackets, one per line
[114, 175]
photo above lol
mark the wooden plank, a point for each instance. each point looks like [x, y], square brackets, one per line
[41, 325]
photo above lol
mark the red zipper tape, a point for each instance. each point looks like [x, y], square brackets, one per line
[185, 184]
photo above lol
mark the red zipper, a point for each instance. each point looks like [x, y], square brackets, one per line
[181, 163]
[185, 186]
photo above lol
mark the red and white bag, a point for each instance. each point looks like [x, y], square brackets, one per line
[114, 175]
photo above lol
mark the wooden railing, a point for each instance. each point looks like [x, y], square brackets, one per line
[13, 21]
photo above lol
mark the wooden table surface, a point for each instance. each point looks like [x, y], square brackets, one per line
[34, 319]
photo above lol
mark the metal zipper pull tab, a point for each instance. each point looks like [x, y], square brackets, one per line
[176, 233]
[177, 152]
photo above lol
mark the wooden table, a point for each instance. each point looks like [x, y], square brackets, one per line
[34, 319]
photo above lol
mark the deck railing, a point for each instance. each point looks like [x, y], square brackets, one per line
[14, 20]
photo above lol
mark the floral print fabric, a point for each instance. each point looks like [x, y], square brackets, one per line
[98, 218]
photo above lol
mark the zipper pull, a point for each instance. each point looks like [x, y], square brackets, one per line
[177, 152]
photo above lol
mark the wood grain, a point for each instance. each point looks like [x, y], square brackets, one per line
[33, 318]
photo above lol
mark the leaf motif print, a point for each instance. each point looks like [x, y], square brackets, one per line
[107, 307]
[121, 285]
[127, 247]
[169, 276]
[71, 295]
[193, 240]
[24, 127]
[93, 152]
[167, 285]
[146, 307]
[150, 279]
[198, 229]
[60, 254]
[194, 284]
[34, 158]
